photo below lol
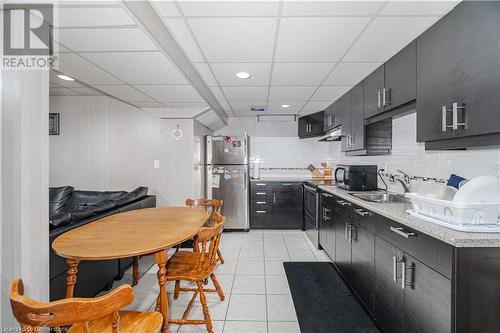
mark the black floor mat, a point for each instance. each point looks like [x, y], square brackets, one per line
[323, 302]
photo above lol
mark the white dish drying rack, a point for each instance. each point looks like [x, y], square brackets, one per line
[471, 217]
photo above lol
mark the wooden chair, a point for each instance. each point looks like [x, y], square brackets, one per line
[216, 206]
[197, 266]
[86, 315]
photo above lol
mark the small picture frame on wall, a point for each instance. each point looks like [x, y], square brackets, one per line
[53, 123]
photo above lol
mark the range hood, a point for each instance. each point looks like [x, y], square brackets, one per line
[332, 135]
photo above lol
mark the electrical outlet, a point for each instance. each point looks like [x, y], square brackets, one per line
[156, 164]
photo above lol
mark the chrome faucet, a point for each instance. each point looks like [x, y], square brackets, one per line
[404, 180]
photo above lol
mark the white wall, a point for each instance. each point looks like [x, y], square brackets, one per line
[253, 128]
[104, 144]
[24, 183]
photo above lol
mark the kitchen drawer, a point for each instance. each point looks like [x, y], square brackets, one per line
[343, 207]
[263, 193]
[364, 217]
[432, 252]
[263, 202]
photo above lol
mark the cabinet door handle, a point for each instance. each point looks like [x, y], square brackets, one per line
[378, 98]
[352, 231]
[260, 184]
[261, 193]
[444, 124]
[395, 262]
[345, 232]
[261, 202]
[383, 97]
[454, 111]
[404, 275]
[287, 184]
[353, 140]
[400, 231]
[343, 203]
[361, 212]
[260, 211]
[274, 197]
[326, 195]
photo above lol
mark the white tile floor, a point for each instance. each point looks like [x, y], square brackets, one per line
[253, 279]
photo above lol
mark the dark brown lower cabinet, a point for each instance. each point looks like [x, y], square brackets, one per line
[427, 297]
[362, 264]
[342, 245]
[388, 292]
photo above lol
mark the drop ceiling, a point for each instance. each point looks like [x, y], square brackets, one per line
[305, 54]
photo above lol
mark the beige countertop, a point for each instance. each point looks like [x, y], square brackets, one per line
[397, 211]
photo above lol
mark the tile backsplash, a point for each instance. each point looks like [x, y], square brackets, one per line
[288, 156]
[409, 155]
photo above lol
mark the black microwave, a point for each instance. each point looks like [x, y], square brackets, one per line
[356, 177]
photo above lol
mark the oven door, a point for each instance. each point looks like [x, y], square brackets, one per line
[310, 201]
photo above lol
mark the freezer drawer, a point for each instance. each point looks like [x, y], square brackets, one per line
[230, 183]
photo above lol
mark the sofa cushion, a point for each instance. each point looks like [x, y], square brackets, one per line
[82, 212]
[58, 197]
[105, 205]
[59, 219]
[86, 198]
[140, 192]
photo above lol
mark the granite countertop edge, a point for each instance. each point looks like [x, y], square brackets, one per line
[397, 211]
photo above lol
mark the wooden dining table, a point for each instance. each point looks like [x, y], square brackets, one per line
[140, 232]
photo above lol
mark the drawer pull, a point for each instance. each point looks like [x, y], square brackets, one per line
[361, 212]
[327, 195]
[260, 211]
[405, 275]
[261, 193]
[260, 184]
[261, 202]
[400, 231]
[395, 262]
[287, 184]
[343, 203]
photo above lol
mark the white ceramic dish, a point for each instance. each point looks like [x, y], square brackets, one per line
[482, 189]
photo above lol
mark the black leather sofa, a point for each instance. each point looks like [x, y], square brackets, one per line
[69, 209]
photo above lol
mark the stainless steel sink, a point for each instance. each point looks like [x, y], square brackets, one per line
[381, 197]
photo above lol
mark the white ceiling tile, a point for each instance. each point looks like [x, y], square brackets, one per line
[374, 44]
[82, 70]
[416, 8]
[330, 93]
[86, 91]
[138, 67]
[291, 93]
[205, 73]
[171, 93]
[62, 92]
[300, 74]
[245, 93]
[351, 73]
[54, 85]
[247, 105]
[92, 17]
[106, 39]
[225, 73]
[218, 93]
[166, 8]
[316, 106]
[181, 32]
[317, 39]
[235, 39]
[58, 48]
[282, 112]
[229, 8]
[124, 92]
[185, 104]
[331, 8]
[295, 106]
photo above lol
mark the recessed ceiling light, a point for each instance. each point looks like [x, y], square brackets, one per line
[243, 75]
[285, 105]
[65, 77]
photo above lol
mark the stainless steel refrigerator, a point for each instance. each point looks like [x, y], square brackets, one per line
[226, 177]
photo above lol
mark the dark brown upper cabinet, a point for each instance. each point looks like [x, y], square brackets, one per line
[392, 84]
[458, 78]
[311, 125]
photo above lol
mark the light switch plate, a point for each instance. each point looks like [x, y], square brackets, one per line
[156, 164]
